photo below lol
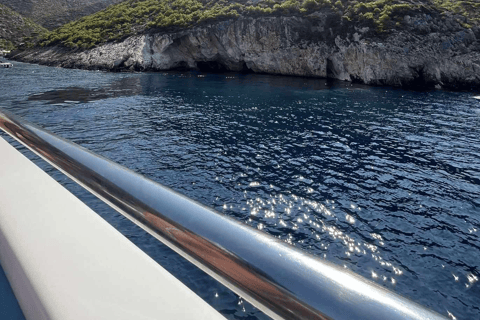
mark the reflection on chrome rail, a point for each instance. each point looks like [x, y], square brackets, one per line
[279, 279]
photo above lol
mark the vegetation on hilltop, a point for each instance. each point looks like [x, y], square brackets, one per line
[470, 9]
[138, 16]
[55, 13]
[15, 29]
[6, 45]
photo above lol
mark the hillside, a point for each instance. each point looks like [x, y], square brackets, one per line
[15, 29]
[407, 43]
[135, 16]
[54, 13]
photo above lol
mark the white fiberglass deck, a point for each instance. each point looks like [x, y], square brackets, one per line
[65, 262]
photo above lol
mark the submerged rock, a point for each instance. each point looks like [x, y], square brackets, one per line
[421, 55]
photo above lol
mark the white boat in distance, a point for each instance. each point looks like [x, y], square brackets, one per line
[5, 65]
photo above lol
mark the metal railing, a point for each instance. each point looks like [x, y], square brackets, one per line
[279, 279]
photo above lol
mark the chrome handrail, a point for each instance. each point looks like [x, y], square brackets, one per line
[279, 279]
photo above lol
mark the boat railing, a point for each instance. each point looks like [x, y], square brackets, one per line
[279, 279]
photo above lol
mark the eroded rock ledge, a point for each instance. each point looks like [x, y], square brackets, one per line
[426, 54]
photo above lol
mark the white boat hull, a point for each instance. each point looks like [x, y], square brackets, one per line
[65, 262]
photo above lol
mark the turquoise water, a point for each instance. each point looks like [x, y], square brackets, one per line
[383, 181]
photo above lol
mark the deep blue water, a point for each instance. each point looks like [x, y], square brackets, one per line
[9, 307]
[383, 181]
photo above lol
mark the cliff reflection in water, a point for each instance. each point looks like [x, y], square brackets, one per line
[131, 86]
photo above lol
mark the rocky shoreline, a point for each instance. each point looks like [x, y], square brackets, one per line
[426, 52]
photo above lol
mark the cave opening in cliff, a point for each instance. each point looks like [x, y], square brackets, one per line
[181, 66]
[420, 80]
[330, 69]
[245, 68]
[211, 66]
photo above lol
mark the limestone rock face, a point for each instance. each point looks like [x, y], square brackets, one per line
[313, 46]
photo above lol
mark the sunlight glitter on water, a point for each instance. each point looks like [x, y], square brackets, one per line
[319, 220]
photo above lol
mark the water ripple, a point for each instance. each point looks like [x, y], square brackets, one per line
[380, 181]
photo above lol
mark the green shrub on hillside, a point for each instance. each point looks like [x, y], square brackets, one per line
[469, 9]
[6, 45]
[380, 12]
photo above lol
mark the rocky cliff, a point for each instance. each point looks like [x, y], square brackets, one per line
[429, 51]
[54, 13]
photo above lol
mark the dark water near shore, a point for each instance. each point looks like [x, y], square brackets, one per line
[383, 181]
